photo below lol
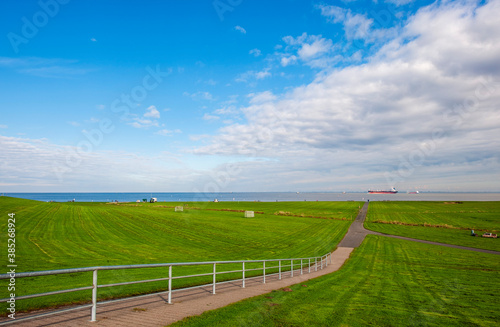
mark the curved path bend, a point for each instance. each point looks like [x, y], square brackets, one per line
[153, 310]
[357, 233]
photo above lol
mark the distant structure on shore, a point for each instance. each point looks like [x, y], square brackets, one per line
[392, 191]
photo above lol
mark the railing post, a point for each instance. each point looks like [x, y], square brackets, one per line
[301, 272]
[264, 271]
[169, 284]
[326, 260]
[94, 296]
[321, 262]
[213, 286]
[291, 267]
[243, 285]
[309, 265]
[279, 264]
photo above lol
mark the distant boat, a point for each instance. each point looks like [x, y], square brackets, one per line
[392, 191]
[416, 192]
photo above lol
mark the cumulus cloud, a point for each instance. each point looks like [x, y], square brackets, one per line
[148, 119]
[356, 26]
[152, 112]
[313, 50]
[426, 103]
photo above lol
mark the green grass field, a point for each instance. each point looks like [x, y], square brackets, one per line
[445, 222]
[68, 235]
[386, 282]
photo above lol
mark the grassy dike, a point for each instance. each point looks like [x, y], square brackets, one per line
[391, 282]
[69, 235]
[386, 282]
[445, 222]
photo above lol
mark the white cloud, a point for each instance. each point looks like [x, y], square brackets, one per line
[210, 117]
[93, 39]
[255, 52]
[266, 96]
[313, 50]
[38, 165]
[437, 83]
[356, 26]
[148, 119]
[241, 29]
[290, 60]
[152, 112]
[74, 123]
[200, 95]
[252, 75]
[317, 47]
[263, 74]
[227, 110]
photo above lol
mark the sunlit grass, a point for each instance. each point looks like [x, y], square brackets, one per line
[69, 235]
[445, 222]
[386, 282]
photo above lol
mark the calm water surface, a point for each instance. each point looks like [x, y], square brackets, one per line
[254, 196]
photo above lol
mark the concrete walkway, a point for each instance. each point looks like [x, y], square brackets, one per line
[153, 310]
[357, 233]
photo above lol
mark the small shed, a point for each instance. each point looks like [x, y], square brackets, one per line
[153, 200]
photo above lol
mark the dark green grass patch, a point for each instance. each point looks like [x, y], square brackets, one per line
[386, 282]
[69, 235]
[445, 222]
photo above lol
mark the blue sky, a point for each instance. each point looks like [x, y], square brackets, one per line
[238, 95]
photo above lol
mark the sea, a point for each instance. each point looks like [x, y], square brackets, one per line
[252, 197]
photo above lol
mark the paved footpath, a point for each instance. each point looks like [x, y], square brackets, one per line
[154, 310]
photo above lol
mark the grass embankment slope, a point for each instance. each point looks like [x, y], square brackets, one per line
[386, 282]
[391, 282]
[445, 222]
[68, 235]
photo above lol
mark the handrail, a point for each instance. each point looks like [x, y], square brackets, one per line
[316, 262]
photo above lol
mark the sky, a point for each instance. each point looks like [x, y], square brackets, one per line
[240, 95]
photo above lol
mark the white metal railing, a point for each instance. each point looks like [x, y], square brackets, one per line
[311, 262]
